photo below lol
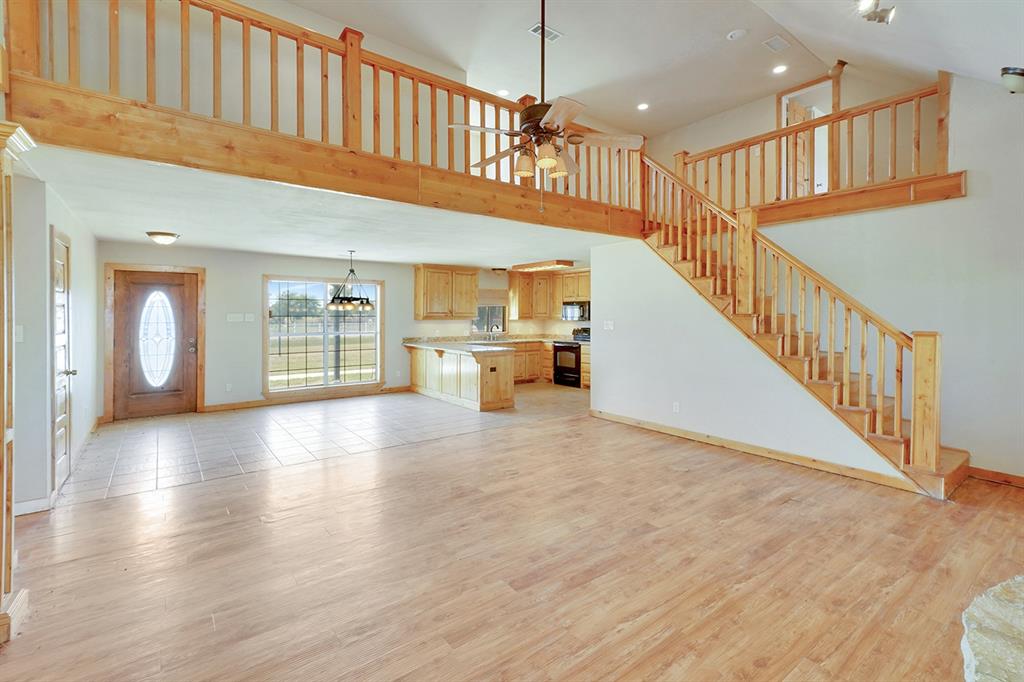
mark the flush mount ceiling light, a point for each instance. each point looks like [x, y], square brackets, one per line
[502, 93]
[736, 34]
[781, 68]
[643, 106]
[543, 265]
[353, 301]
[870, 10]
[1013, 78]
[163, 238]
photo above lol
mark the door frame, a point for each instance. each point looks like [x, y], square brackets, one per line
[56, 235]
[108, 330]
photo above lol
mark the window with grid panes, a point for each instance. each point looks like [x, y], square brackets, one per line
[309, 346]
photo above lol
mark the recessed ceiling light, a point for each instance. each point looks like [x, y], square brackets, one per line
[502, 93]
[736, 34]
[781, 68]
[163, 238]
[642, 106]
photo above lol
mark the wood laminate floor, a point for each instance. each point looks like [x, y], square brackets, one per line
[560, 548]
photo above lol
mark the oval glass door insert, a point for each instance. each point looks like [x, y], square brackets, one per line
[157, 336]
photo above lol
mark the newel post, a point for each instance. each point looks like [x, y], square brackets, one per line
[924, 420]
[23, 36]
[681, 160]
[352, 86]
[746, 260]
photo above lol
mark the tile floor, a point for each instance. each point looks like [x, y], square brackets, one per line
[161, 452]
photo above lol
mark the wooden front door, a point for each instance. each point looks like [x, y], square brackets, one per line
[63, 373]
[155, 343]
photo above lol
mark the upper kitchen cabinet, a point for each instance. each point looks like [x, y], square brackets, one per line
[556, 297]
[541, 296]
[445, 292]
[520, 296]
[576, 286]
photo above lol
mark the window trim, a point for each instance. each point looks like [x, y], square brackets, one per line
[312, 392]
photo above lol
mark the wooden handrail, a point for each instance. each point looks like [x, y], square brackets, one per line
[726, 215]
[803, 126]
[267, 22]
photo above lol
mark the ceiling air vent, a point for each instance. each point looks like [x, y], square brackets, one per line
[776, 44]
[550, 34]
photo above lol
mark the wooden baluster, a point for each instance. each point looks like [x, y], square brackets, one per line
[416, 122]
[732, 180]
[915, 161]
[942, 126]
[300, 93]
[451, 131]
[650, 175]
[376, 110]
[831, 337]
[655, 203]
[707, 176]
[791, 185]
[73, 44]
[816, 334]
[721, 253]
[925, 438]
[216, 65]
[833, 156]
[719, 196]
[761, 199]
[351, 83]
[396, 118]
[802, 323]
[579, 176]
[483, 136]
[862, 388]
[113, 44]
[762, 268]
[433, 125]
[186, 59]
[778, 168]
[892, 142]
[849, 152]
[674, 227]
[730, 238]
[467, 142]
[24, 28]
[775, 298]
[698, 265]
[247, 80]
[689, 226]
[511, 159]
[898, 380]
[746, 176]
[709, 250]
[325, 116]
[787, 330]
[810, 162]
[275, 102]
[871, 147]
[847, 319]
[622, 178]
[880, 386]
[600, 182]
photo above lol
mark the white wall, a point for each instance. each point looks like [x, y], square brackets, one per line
[955, 267]
[36, 208]
[234, 284]
[680, 349]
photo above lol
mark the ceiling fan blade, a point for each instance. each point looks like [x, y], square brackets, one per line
[495, 157]
[562, 111]
[570, 164]
[481, 129]
[614, 141]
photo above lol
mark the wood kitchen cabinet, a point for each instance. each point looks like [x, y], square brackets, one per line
[556, 297]
[541, 296]
[445, 292]
[585, 365]
[520, 296]
[576, 286]
[583, 286]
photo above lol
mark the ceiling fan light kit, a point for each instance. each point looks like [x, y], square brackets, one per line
[545, 129]
[871, 11]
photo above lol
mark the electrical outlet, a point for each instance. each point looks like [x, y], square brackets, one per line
[675, 407]
[227, 388]
[398, 374]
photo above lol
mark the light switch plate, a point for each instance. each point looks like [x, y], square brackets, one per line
[250, 317]
[609, 324]
[235, 317]
[19, 333]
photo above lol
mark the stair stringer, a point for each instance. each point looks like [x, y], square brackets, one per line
[897, 477]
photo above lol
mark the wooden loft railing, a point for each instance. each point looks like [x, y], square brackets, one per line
[897, 140]
[856, 358]
[228, 63]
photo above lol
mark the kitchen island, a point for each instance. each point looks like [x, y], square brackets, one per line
[473, 375]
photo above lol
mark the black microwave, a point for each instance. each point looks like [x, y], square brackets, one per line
[576, 312]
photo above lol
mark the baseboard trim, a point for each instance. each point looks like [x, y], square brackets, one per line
[788, 457]
[287, 399]
[996, 476]
[13, 612]
[32, 506]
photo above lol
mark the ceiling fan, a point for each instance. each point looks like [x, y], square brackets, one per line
[545, 126]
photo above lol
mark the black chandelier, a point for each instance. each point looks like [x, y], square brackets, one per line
[352, 302]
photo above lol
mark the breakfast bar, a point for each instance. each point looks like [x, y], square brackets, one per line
[473, 375]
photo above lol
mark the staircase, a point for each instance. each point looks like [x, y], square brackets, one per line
[848, 357]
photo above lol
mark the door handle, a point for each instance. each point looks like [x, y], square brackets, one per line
[70, 372]
[191, 345]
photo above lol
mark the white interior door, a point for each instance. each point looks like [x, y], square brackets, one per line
[61, 360]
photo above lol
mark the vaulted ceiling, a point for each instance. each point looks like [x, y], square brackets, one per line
[674, 55]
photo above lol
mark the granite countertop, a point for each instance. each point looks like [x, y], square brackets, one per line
[451, 347]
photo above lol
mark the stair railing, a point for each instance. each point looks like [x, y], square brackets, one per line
[784, 296]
